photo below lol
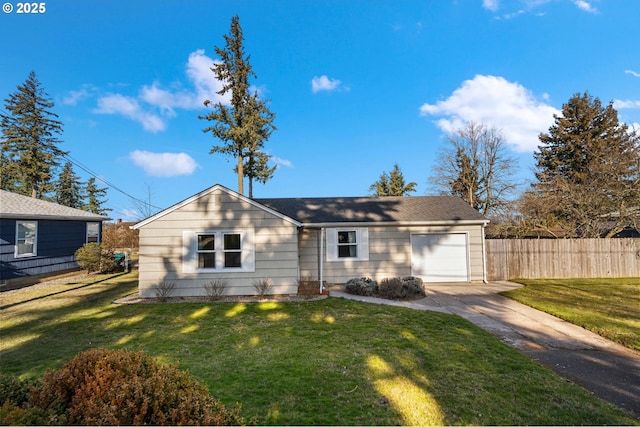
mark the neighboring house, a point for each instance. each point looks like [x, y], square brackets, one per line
[220, 234]
[39, 238]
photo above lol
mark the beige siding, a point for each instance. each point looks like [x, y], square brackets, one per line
[389, 254]
[161, 247]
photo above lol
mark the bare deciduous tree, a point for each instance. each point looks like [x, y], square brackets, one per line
[475, 165]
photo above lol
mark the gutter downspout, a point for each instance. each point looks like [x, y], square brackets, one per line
[484, 257]
[320, 262]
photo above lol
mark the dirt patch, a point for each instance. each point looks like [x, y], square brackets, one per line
[135, 299]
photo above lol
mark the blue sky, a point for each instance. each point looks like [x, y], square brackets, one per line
[356, 85]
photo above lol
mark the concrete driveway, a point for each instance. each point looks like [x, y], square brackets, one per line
[609, 370]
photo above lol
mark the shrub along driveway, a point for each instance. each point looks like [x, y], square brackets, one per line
[608, 369]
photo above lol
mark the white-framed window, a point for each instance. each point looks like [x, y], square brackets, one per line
[218, 250]
[93, 232]
[347, 244]
[26, 238]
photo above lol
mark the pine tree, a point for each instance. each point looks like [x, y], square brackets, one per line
[246, 123]
[95, 199]
[68, 188]
[588, 171]
[29, 138]
[392, 184]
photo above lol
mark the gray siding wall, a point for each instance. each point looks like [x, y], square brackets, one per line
[275, 248]
[389, 254]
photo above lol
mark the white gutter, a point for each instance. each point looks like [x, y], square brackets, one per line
[391, 223]
[321, 269]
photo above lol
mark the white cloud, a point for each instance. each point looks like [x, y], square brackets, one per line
[164, 164]
[155, 104]
[282, 162]
[496, 102]
[633, 73]
[129, 107]
[618, 104]
[324, 83]
[586, 6]
[491, 5]
[76, 96]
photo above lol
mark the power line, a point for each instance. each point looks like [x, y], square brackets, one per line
[106, 182]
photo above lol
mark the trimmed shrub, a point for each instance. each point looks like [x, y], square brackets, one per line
[95, 257]
[397, 288]
[364, 286]
[118, 387]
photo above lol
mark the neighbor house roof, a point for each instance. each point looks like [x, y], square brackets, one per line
[17, 206]
[413, 209]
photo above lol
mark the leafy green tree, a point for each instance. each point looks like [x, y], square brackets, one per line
[95, 198]
[68, 188]
[475, 165]
[392, 184]
[245, 124]
[588, 172]
[30, 144]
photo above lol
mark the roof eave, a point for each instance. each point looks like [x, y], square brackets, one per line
[54, 217]
[207, 192]
[394, 223]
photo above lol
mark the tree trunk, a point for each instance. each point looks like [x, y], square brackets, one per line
[240, 176]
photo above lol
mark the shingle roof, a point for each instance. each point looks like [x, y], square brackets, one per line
[374, 209]
[14, 205]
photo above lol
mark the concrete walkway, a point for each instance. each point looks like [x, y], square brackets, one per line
[609, 370]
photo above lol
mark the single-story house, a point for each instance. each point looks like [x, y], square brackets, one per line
[220, 235]
[38, 238]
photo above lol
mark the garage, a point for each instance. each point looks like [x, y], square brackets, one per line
[440, 257]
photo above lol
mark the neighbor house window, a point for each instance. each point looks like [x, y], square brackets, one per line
[212, 251]
[347, 244]
[26, 238]
[93, 232]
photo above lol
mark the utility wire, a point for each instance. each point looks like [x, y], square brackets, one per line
[106, 182]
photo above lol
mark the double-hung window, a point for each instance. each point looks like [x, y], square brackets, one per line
[93, 232]
[345, 244]
[214, 251]
[26, 238]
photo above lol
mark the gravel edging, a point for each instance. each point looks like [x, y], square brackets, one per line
[134, 298]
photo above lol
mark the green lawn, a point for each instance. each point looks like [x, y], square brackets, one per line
[608, 307]
[328, 362]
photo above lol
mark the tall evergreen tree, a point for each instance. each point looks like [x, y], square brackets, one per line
[392, 184]
[68, 188]
[588, 171]
[95, 198]
[30, 141]
[245, 124]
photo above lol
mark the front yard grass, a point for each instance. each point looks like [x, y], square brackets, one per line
[328, 362]
[608, 307]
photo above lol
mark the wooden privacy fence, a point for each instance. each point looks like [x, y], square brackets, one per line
[562, 258]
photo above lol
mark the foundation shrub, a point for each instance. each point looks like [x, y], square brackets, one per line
[118, 387]
[364, 286]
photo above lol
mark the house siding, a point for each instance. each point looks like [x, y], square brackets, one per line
[389, 253]
[57, 242]
[161, 247]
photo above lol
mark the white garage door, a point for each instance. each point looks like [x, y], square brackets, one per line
[440, 257]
